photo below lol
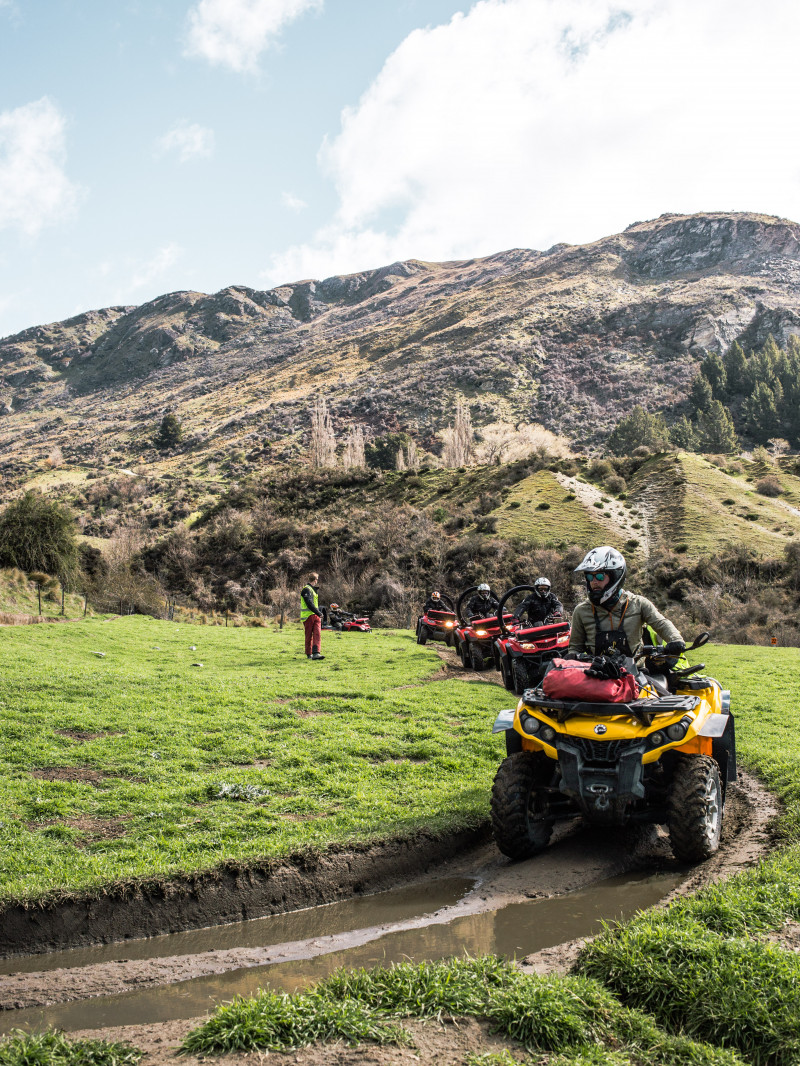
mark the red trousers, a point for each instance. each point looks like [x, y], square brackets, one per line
[313, 628]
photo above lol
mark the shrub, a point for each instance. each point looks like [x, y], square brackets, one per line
[600, 469]
[616, 484]
[769, 486]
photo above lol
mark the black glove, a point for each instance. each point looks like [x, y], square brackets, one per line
[675, 647]
[605, 669]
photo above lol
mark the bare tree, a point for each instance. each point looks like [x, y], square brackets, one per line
[412, 455]
[458, 438]
[778, 446]
[323, 440]
[502, 442]
[283, 595]
[400, 461]
[353, 455]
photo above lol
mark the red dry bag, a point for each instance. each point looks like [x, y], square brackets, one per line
[566, 680]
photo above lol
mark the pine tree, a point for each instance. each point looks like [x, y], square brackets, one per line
[639, 429]
[700, 394]
[735, 363]
[169, 432]
[683, 434]
[714, 372]
[761, 413]
[715, 430]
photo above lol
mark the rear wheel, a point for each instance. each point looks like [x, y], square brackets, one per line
[476, 658]
[694, 809]
[521, 677]
[520, 816]
[422, 634]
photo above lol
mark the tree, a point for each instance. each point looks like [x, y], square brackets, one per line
[683, 435]
[169, 432]
[458, 438]
[735, 363]
[353, 454]
[39, 534]
[639, 429]
[700, 394]
[760, 411]
[382, 451]
[715, 430]
[715, 374]
[323, 440]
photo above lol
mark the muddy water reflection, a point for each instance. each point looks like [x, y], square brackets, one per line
[382, 908]
[515, 930]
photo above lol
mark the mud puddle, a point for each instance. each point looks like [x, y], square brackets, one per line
[514, 930]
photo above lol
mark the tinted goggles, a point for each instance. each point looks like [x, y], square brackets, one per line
[599, 575]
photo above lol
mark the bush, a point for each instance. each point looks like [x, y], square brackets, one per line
[600, 469]
[616, 484]
[769, 486]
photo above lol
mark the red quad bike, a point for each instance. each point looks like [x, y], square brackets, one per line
[521, 653]
[438, 625]
[357, 625]
[473, 640]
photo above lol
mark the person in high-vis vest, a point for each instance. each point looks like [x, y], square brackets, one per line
[311, 617]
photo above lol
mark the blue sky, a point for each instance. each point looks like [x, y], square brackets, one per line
[190, 144]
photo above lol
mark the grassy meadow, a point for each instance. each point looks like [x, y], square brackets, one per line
[133, 748]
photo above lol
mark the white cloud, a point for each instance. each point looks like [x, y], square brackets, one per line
[234, 33]
[157, 267]
[527, 122]
[189, 140]
[34, 189]
[294, 203]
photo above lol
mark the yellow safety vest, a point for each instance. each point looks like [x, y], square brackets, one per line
[305, 610]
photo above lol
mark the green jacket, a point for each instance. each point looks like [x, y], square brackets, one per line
[640, 612]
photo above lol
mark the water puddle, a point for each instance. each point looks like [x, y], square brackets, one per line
[515, 930]
[382, 908]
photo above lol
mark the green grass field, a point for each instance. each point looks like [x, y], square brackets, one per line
[122, 759]
[540, 509]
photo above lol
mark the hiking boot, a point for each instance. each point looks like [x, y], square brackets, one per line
[316, 655]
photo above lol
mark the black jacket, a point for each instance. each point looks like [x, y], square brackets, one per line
[536, 608]
[337, 617]
[434, 605]
[482, 606]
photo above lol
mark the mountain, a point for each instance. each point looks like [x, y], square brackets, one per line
[571, 337]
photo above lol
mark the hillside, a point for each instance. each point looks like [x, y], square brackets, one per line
[571, 337]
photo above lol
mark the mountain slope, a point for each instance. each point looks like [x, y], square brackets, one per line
[571, 337]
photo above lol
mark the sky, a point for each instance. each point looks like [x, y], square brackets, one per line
[148, 146]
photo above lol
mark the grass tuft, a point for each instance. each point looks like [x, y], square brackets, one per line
[54, 1049]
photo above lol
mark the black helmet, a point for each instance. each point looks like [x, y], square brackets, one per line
[609, 561]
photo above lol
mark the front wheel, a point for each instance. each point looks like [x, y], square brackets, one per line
[422, 634]
[694, 809]
[521, 679]
[476, 658]
[506, 674]
[521, 822]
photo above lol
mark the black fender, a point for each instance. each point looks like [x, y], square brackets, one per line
[723, 749]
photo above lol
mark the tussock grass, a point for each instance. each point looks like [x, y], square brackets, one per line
[539, 1013]
[54, 1049]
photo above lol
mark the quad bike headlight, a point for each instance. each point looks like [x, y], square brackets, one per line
[657, 739]
[449, 625]
[678, 730]
[530, 725]
[548, 734]
[481, 633]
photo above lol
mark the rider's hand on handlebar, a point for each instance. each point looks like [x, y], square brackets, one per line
[674, 647]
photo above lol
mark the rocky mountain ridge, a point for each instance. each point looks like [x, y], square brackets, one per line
[570, 337]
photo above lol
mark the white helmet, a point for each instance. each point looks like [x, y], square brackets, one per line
[604, 560]
[542, 586]
[436, 595]
[483, 587]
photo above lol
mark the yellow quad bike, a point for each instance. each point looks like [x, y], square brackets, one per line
[665, 757]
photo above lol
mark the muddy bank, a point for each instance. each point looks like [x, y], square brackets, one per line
[227, 895]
